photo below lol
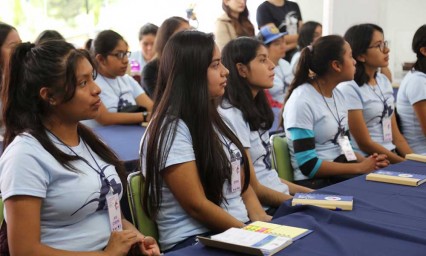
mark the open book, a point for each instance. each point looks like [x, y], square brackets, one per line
[401, 178]
[257, 238]
[416, 157]
[332, 202]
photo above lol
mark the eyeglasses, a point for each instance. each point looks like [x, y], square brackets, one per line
[121, 55]
[381, 46]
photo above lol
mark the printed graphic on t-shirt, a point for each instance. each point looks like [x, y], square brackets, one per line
[99, 198]
[266, 157]
[289, 23]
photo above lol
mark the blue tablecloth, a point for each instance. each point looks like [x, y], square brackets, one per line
[386, 220]
[122, 139]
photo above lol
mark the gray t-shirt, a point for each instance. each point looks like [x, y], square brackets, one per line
[74, 213]
[376, 103]
[259, 147]
[411, 91]
[116, 93]
[307, 109]
[173, 222]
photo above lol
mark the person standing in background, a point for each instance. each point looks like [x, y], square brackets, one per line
[411, 99]
[147, 34]
[233, 23]
[286, 16]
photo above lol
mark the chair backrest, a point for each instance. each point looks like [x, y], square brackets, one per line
[1, 210]
[135, 185]
[281, 156]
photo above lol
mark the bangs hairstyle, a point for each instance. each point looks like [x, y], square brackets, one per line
[359, 38]
[256, 111]
[182, 84]
[317, 58]
[419, 41]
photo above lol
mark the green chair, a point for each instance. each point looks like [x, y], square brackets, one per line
[141, 221]
[281, 156]
[1, 211]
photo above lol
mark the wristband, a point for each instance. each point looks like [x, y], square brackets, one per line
[144, 115]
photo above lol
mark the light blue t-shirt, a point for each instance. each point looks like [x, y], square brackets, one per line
[376, 103]
[259, 147]
[116, 93]
[173, 222]
[74, 213]
[411, 91]
[294, 61]
[307, 109]
[282, 79]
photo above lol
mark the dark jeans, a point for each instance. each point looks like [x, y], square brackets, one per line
[192, 240]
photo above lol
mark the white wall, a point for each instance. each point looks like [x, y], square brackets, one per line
[399, 20]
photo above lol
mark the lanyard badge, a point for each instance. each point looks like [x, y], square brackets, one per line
[114, 211]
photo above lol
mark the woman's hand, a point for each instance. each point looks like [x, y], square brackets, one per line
[149, 246]
[120, 242]
[381, 160]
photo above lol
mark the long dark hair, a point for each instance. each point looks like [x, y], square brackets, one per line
[242, 25]
[166, 30]
[317, 58]
[51, 64]
[359, 38]
[306, 33]
[419, 41]
[256, 111]
[183, 84]
[4, 32]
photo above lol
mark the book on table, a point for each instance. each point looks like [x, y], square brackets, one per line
[416, 157]
[257, 238]
[402, 178]
[332, 202]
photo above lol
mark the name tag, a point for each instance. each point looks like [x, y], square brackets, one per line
[236, 176]
[387, 129]
[346, 148]
[114, 212]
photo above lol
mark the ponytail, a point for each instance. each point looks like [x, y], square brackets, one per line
[419, 41]
[15, 103]
[302, 71]
[315, 60]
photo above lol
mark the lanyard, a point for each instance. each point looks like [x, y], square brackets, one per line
[341, 130]
[384, 100]
[99, 170]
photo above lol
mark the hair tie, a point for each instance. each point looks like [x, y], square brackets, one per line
[310, 48]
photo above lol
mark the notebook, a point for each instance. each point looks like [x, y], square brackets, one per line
[247, 242]
[332, 202]
[402, 178]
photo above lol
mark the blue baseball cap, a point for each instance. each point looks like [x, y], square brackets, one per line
[270, 33]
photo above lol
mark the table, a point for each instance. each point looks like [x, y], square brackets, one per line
[122, 139]
[386, 220]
